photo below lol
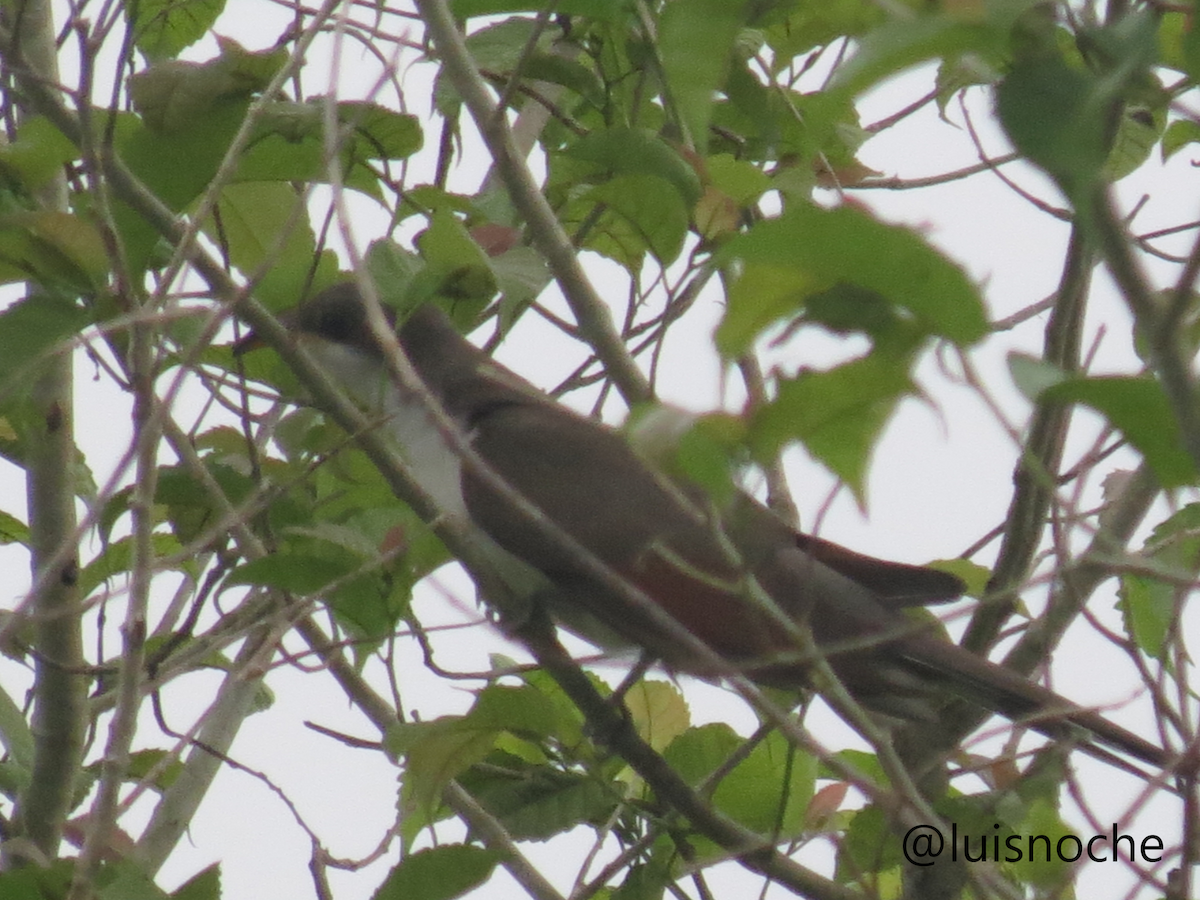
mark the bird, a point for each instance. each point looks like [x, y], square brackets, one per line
[700, 566]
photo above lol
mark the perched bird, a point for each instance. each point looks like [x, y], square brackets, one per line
[663, 538]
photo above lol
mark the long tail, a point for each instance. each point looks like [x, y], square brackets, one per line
[1003, 691]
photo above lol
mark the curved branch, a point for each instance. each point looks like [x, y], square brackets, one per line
[591, 312]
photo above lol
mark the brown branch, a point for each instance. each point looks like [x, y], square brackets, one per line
[1036, 473]
[591, 312]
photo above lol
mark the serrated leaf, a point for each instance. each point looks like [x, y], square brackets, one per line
[523, 711]
[659, 712]
[435, 753]
[542, 802]
[1148, 607]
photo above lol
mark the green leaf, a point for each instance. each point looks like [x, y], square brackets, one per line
[55, 249]
[695, 42]
[769, 790]
[1139, 408]
[15, 735]
[380, 133]
[570, 73]
[21, 421]
[736, 178]
[537, 802]
[37, 883]
[908, 40]
[126, 880]
[34, 326]
[1141, 126]
[1036, 869]
[296, 571]
[117, 558]
[142, 762]
[973, 575]
[698, 752]
[653, 210]
[838, 415]
[809, 25]
[1150, 605]
[438, 873]
[496, 49]
[808, 250]
[521, 275]
[645, 881]
[259, 227]
[1054, 115]
[456, 268]
[435, 753]
[1058, 113]
[1033, 376]
[204, 885]
[867, 846]
[1178, 135]
[38, 153]
[659, 712]
[1190, 46]
[523, 711]
[162, 28]
[175, 96]
[636, 151]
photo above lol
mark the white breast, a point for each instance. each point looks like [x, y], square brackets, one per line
[434, 465]
[437, 469]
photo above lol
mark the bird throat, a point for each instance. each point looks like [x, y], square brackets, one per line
[437, 469]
